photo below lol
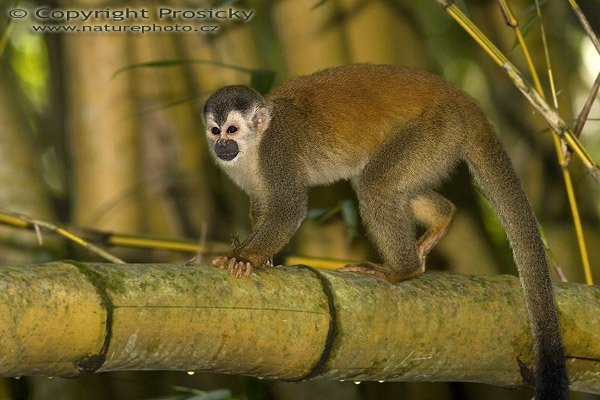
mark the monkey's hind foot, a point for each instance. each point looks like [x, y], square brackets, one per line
[233, 266]
[381, 272]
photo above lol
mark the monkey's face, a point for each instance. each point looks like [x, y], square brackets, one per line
[238, 134]
[229, 138]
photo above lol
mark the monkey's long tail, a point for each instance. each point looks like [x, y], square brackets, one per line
[492, 168]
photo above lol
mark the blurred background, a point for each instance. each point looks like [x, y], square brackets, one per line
[103, 130]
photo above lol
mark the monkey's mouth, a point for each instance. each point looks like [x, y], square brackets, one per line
[226, 150]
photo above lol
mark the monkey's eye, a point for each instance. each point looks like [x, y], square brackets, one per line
[215, 130]
[232, 129]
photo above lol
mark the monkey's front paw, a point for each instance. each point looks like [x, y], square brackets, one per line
[235, 267]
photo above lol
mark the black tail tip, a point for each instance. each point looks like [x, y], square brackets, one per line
[552, 385]
[552, 392]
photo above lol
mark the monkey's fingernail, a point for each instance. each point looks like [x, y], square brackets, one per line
[248, 269]
[239, 270]
[231, 265]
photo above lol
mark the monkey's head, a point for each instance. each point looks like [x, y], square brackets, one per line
[234, 116]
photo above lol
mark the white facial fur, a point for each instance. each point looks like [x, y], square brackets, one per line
[243, 169]
[243, 134]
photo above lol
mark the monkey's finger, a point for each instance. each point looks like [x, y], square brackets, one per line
[231, 265]
[218, 262]
[248, 269]
[239, 269]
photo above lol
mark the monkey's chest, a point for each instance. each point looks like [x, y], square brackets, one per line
[245, 173]
[326, 170]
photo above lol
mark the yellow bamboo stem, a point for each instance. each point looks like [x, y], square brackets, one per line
[23, 221]
[535, 99]
[512, 22]
[565, 134]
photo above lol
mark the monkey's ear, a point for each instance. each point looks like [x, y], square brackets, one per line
[261, 119]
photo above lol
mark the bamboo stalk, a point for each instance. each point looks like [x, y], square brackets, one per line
[585, 24]
[511, 21]
[549, 114]
[285, 323]
[23, 221]
[585, 111]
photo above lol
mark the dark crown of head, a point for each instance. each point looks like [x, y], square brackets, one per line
[231, 98]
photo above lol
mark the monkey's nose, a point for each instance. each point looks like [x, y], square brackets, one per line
[226, 150]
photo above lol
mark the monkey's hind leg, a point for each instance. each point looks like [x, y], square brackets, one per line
[436, 213]
[386, 214]
[391, 221]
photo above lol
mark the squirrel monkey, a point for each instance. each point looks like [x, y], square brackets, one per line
[395, 133]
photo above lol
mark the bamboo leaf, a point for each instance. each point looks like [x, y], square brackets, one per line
[4, 38]
[322, 215]
[262, 77]
[319, 4]
[351, 218]
[220, 394]
[526, 28]
[262, 80]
